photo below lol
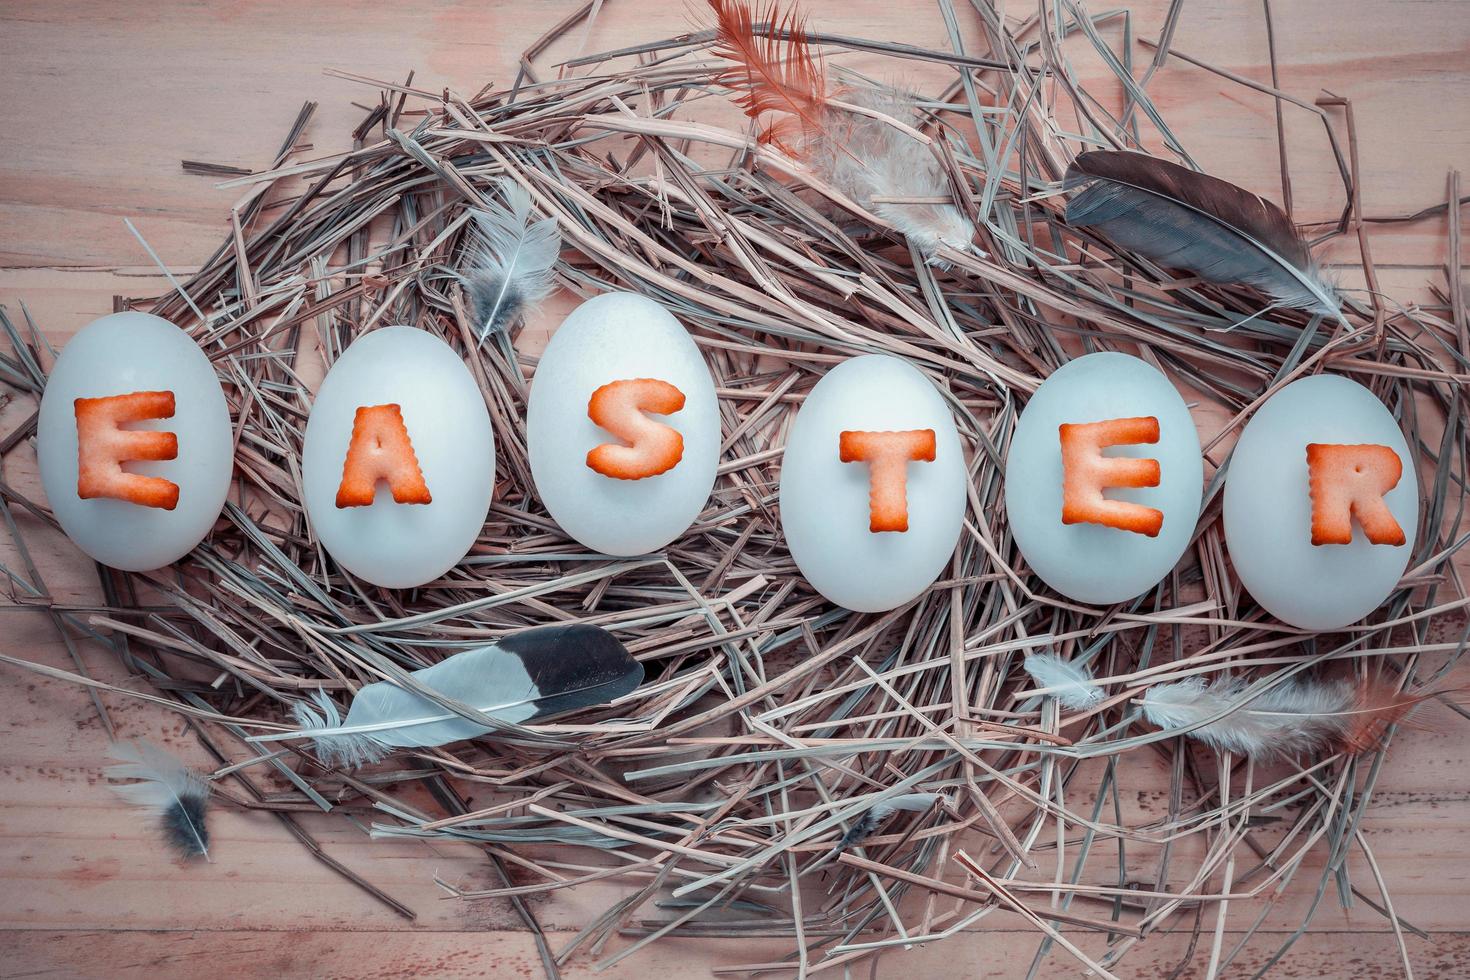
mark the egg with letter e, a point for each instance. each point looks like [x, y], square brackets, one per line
[398, 464]
[1104, 478]
[622, 427]
[872, 484]
[1321, 503]
[134, 442]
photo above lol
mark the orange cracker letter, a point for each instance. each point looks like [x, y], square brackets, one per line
[1348, 482]
[1086, 472]
[380, 450]
[887, 455]
[103, 445]
[653, 447]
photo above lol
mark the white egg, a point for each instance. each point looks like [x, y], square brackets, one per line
[620, 337]
[825, 503]
[1268, 508]
[1096, 563]
[401, 545]
[119, 355]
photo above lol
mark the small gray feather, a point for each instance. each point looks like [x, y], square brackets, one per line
[166, 787]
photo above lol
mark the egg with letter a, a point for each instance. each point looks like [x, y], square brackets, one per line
[398, 463]
[1356, 485]
[1104, 478]
[872, 484]
[134, 442]
[622, 427]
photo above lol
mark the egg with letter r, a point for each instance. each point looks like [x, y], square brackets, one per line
[1364, 486]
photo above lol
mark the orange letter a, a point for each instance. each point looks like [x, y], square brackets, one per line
[1350, 481]
[887, 455]
[1086, 472]
[380, 450]
[103, 445]
[653, 447]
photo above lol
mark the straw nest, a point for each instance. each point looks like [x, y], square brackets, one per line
[771, 722]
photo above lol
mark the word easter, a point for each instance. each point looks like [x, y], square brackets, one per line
[1103, 475]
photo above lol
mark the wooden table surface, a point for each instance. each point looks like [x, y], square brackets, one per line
[103, 101]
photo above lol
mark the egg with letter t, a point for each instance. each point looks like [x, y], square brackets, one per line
[872, 484]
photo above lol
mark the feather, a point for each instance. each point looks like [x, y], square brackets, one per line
[1070, 682]
[1294, 718]
[1188, 220]
[525, 676]
[785, 91]
[871, 160]
[787, 83]
[511, 270]
[875, 815]
[167, 788]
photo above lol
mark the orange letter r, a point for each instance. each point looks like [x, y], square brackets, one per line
[1348, 482]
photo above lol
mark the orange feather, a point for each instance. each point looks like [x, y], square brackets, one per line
[787, 83]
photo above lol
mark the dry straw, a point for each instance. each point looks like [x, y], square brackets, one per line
[772, 723]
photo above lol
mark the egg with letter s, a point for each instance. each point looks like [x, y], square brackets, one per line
[134, 442]
[1321, 503]
[1104, 478]
[622, 427]
[872, 484]
[398, 463]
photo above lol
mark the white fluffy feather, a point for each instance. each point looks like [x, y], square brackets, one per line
[1290, 719]
[868, 158]
[514, 258]
[1070, 683]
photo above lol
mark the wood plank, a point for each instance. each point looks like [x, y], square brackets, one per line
[110, 97]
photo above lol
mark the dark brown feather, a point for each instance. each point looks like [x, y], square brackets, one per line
[1188, 220]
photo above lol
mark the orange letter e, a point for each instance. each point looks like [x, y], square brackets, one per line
[1086, 472]
[103, 445]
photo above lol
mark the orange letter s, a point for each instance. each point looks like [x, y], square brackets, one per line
[653, 447]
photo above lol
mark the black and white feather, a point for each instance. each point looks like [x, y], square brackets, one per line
[525, 676]
[513, 261]
[877, 814]
[1183, 219]
[167, 788]
[1069, 682]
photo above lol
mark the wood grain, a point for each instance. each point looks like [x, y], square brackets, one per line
[105, 100]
